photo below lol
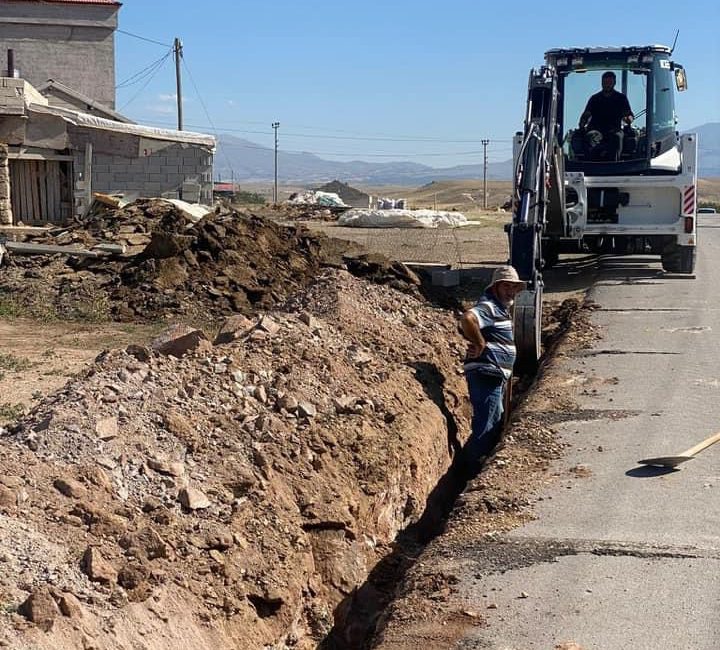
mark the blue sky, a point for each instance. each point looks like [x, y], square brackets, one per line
[379, 81]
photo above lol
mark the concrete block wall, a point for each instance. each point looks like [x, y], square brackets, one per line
[189, 171]
[12, 96]
[69, 42]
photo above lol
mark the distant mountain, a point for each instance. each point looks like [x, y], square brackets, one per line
[249, 161]
[708, 149]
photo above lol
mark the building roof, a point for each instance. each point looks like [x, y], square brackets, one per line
[52, 87]
[92, 122]
[82, 2]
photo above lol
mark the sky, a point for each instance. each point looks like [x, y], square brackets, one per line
[385, 80]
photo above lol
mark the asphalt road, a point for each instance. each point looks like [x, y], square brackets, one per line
[621, 556]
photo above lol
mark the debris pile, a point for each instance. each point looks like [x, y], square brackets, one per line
[228, 261]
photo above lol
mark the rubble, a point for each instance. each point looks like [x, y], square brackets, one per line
[201, 270]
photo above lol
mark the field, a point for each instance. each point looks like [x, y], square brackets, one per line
[465, 196]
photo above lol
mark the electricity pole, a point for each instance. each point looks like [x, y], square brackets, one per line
[485, 144]
[275, 125]
[177, 48]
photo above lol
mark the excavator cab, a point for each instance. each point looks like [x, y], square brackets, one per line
[646, 76]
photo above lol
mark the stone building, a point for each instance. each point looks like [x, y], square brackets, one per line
[58, 157]
[64, 138]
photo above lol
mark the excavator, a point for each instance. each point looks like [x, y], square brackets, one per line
[638, 197]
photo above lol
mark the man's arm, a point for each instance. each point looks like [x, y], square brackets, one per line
[628, 115]
[586, 114]
[470, 326]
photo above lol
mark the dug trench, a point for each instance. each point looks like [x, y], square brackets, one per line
[264, 483]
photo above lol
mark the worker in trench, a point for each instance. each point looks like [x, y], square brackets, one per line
[489, 361]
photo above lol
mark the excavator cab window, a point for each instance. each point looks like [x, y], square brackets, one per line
[583, 143]
[649, 80]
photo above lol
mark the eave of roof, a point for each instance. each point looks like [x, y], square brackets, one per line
[92, 122]
[76, 2]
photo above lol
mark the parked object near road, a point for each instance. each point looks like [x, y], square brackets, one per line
[707, 211]
[396, 218]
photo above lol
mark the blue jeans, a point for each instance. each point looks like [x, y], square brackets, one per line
[486, 397]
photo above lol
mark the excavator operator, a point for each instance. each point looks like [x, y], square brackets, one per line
[602, 120]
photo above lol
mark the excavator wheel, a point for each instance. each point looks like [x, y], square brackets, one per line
[528, 330]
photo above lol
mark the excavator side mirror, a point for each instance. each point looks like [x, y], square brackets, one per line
[680, 77]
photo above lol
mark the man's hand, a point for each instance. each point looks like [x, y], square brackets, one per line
[629, 119]
[473, 351]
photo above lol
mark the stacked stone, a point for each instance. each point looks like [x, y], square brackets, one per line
[6, 217]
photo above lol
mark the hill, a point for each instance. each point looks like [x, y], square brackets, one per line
[249, 161]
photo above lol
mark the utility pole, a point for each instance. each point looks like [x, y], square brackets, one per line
[485, 143]
[275, 126]
[177, 48]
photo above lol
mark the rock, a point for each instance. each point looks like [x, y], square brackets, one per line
[140, 352]
[217, 556]
[343, 404]
[288, 402]
[40, 608]
[233, 328]
[97, 476]
[166, 467]
[177, 424]
[260, 394]
[8, 498]
[307, 410]
[70, 488]
[193, 499]
[178, 340]
[268, 325]
[145, 544]
[309, 320]
[106, 428]
[97, 568]
[70, 606]
[132, 576]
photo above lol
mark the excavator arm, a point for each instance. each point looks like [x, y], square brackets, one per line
[537, 209]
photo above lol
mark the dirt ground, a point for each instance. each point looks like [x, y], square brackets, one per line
[264, 481]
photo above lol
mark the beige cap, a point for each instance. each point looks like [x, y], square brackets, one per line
[506, 274]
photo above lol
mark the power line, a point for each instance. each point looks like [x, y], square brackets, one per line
[142, 38]
[204, 107]
[363, 139]
[140, 75]
[149, 79]
[362, 136]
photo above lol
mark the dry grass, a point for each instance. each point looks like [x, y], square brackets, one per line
[465, 196]
[709, 191]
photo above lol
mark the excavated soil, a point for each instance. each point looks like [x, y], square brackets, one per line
[266, 490]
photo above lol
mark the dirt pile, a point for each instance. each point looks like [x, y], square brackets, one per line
[228, 261]
[233, 497]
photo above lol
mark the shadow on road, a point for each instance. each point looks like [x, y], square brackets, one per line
[649, 471]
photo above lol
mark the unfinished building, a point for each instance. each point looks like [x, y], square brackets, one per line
[63, 138]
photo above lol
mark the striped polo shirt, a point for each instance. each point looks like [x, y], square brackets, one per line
[498, 357]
